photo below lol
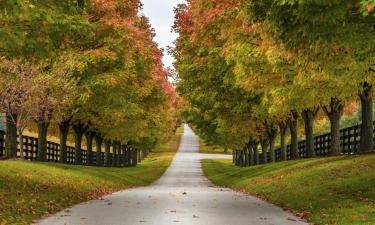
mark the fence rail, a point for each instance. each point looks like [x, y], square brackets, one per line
[127, 157]
[349, 144]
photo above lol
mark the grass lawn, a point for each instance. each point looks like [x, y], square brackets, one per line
[333, 190]
[209, 149]
[31, 190]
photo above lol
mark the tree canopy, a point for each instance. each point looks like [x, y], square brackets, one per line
[276, 59]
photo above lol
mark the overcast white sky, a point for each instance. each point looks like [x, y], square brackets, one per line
[161, 15]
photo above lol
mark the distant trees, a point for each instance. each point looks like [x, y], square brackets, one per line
[93, 67]
[293, 57]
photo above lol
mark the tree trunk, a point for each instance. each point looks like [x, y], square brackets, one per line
[135, 160]
[78, 133]
[246, 156]
[120, 153]
[271, 135]
[367, 130]
[128, 154]
[293, 126]
[254, 145]
[64, 130]
[334, 112]
[42, 140]
[114, 154]
[283, 130]
[225, 150]
[107, 152]
[89, 156]
[308, 116]
[139, 155]
[99, 141]
[11, 136]
[264, 144]
[21, 144]
[251, 153]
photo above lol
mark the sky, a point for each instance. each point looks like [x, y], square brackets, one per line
[161, 15]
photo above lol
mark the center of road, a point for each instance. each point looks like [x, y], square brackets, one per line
[182, 196]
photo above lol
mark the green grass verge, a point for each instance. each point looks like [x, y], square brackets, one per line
[333, 190]
[30, 190]
[209, 149]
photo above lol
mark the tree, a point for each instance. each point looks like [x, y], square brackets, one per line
[16, 103]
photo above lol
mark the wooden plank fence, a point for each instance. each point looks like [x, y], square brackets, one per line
[349, 143]
[127, 157]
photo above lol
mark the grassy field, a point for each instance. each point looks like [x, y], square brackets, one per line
[333, 190]
[209, 149]
[30, 190]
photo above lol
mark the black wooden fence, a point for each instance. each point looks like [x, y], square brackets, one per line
[349, 143]
[127, 157]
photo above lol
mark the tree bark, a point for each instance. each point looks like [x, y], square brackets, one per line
[254, 145]
[107, 144]
[135, 160]
[308, 116]
[11, 136]
[121, 153]
[89, 136]
[78, 133]
[367, 130]
[42, 140]
[21, 144]
[98, 140]
[64, 130]
[114, 153]
[334, 112]
[264, 144]
[283, 130]
[271, 135]
[246, 156]
[250, 152]
[139, 155]
[293, 126]
[225, 150]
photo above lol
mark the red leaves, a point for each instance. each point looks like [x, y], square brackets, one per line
[303, 214]
[369, 7]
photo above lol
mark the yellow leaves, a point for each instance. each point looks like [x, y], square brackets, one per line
[20, 202]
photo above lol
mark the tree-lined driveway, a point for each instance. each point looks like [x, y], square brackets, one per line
[182, 196]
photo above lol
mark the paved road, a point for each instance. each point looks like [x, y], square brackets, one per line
[182, 196]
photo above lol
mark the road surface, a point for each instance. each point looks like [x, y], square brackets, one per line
[182, 196]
